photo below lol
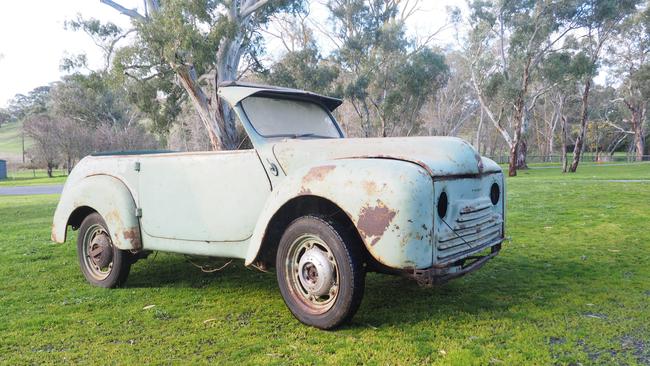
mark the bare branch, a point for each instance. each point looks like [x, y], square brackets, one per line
[132, 13]
[621, 129]
[486, 109]
[250, 7]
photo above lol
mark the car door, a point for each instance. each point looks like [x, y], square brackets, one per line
[205, 196]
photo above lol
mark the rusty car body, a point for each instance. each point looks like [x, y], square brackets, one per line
[429, 208]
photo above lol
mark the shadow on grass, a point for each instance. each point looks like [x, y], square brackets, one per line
[174, 270]
[501, 285]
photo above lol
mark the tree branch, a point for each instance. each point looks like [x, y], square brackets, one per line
[619, 128]
[251, 7]
[132, 13]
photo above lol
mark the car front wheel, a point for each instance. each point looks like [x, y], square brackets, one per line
[320, 272]
[102, 263]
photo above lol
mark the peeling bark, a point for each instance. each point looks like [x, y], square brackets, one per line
[565, 162]
[584, 117]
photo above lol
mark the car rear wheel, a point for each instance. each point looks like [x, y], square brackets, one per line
[320, 272]
[102, 263]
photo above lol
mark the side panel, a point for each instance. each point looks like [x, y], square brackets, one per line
[111, 199]
[389, 201]
[207, 197]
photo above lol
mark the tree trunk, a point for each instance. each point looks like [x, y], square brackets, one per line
[520, 111]
[577, 150]
[204, 107]
[512, 161]
[557, 117]
[216, 115]
[478, 132]
[513, 158]
[638, 117]
[49, 170]
[565, 162]
[522, 152]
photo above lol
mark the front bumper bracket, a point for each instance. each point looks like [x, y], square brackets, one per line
[441, 274]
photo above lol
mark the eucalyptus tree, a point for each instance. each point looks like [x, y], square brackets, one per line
[301, 66]
[508, 42]
[629, 58]
[34, 102]
[385, 76]
[92, 100]
[561, 72]
[5, 116]
[600, 20]
[195, 46]
[454, 105]
[303, 69]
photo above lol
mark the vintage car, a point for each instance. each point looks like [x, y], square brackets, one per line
[320, 208]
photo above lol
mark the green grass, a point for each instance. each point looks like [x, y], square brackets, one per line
[11, 139]
[35, 177]
[571, 287]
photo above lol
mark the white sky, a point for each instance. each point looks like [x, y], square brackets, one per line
[33, 41]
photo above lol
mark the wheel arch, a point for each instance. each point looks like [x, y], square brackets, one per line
[78, 215]
[298, 207]
[110, 198]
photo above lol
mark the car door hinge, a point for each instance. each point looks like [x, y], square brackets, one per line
[138, 212]
[137, 166]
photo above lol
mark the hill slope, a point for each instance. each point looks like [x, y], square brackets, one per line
[11, 141]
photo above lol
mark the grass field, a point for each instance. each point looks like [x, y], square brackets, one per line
[572, 286]
[11, 139]
[34, 177]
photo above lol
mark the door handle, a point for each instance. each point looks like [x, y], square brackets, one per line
[273, 168]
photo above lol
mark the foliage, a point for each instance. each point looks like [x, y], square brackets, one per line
[43, 131]
[303, 69]
[193, 47]
[77, 116]
[386, 76]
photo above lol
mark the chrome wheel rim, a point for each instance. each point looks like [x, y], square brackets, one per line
[98, 252]
[312, 273]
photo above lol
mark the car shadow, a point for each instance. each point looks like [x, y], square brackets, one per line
[173, 270]
[504, 283]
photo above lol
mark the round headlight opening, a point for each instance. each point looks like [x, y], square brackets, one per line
[495, 193]
[443, 203]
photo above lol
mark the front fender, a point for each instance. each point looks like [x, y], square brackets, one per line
[389, 201]
[111, 199]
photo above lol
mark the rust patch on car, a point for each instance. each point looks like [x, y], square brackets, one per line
[373, 189]
[317, 173]
[373, 221]
[112, 216]
[370, 187]
[133, 235]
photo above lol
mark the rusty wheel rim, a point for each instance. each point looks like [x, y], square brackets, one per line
[98, 252]
[312, 273]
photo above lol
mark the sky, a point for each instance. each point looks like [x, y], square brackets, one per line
[33, 40]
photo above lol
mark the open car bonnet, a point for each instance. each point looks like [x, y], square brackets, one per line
[440, 156]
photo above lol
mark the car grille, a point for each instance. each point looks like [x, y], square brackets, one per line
[475, 227]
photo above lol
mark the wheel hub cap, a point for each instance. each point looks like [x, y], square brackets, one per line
[101, 253]
[316, 272]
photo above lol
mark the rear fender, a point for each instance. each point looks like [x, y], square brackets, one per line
[109, 197]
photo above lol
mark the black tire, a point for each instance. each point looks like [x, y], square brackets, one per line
[102, 263]
[346, 265]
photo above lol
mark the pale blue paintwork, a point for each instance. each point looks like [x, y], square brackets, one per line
[220, 203]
